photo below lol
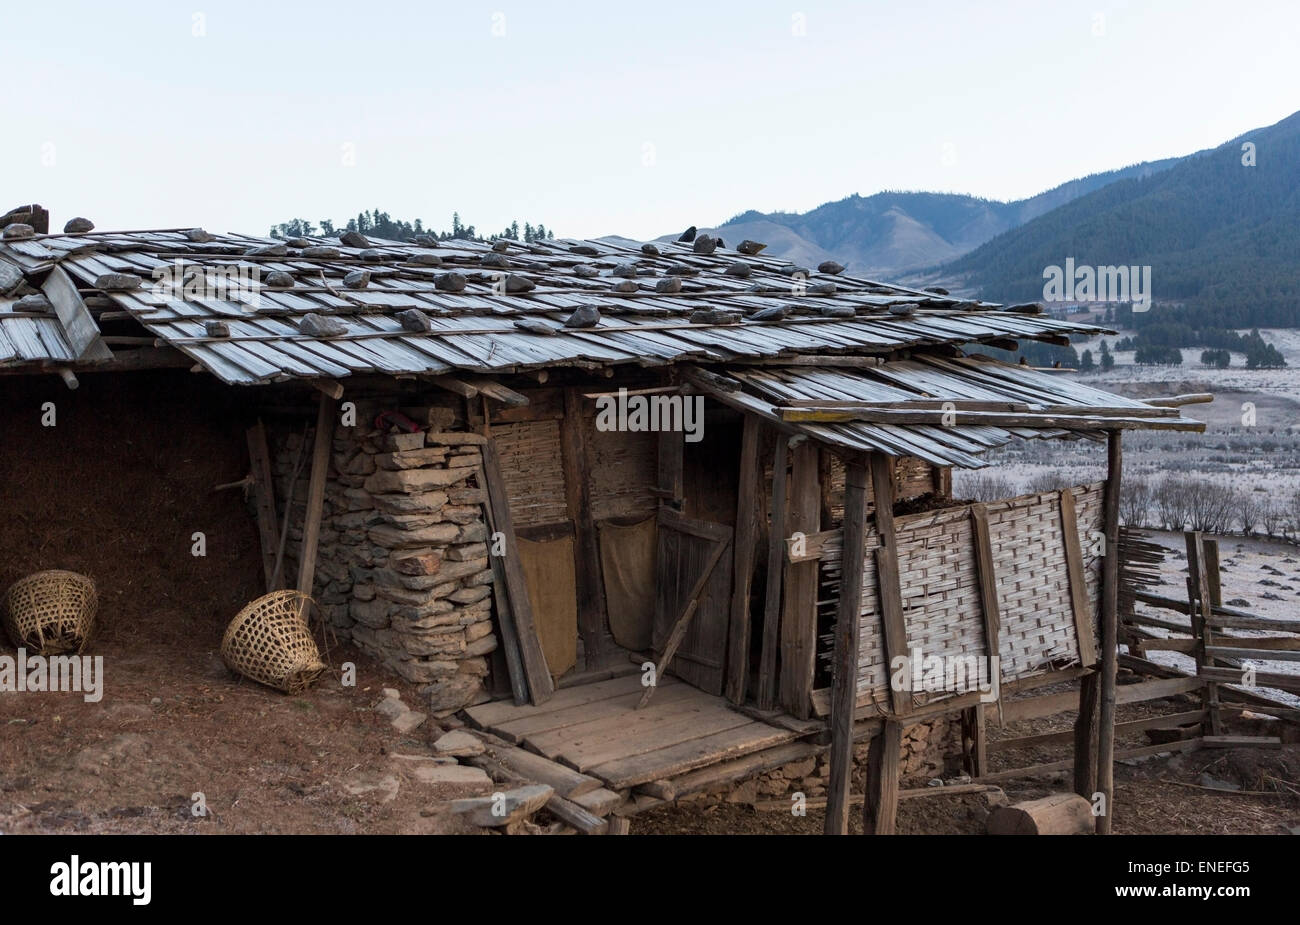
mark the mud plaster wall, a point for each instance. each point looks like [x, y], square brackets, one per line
[402, 567]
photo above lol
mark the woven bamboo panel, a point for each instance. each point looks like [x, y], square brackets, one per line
[533, 471]
[941, 606]
[624, 472]
[1033, 585]
[1089, 501]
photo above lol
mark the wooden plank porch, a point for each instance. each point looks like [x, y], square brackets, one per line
[596, 729]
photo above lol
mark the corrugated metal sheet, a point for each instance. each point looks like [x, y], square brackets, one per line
[475, 330]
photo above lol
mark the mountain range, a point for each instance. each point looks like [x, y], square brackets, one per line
[1221, 236]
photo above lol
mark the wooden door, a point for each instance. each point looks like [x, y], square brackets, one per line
[686, 547]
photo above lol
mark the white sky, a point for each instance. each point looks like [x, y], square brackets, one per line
[599, 118]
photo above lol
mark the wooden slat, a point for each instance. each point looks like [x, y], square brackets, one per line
[518, 729]
[567, 782]
[709, 778]
[79, 328]
[1219, 650]
[540, 685]
[1185, 745]
[1284, 682]
[775, 571]
[799, 606]
[1078, 588]
[660, 729]
[687, 756]
[848, 634]
[743, 568]
[487, 715]
[268, 523]
[1136, 725]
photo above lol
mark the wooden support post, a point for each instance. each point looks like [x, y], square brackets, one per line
[268, 524]
[880, 808]
[887, 578]
[1109, 631]
[1085, 736]
[1213, 573]
[799, 607]
[1199, 595]
[848, 635]
[775, 571]
[592, 618]
[540, 684]
[743, 568]
[986, 576]
[326, 417]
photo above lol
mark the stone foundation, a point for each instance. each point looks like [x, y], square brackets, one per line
[927, 752]
[402, 568]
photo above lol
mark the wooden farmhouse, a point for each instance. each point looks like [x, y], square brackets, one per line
[661, 515]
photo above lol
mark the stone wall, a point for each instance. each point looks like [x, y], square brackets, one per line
[928, 751]
[402, 568]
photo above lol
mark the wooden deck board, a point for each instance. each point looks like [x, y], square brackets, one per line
[679, 723]
[687, 756]
[518, 729]
[500, 711]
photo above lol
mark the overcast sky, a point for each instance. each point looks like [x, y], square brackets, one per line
[599, 118]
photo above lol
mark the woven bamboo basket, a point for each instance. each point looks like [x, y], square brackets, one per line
[51, 612]
[270, 642]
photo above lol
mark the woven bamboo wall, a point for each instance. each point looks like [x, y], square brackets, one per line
[624, 471]
[533, 471]
[941, 607]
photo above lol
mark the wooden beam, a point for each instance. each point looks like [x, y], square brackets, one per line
[592, 617]
[799, 607]
[987, 418]
[331, 387]
[264, 501]
[540, 684]
[1083, 629]
[326, 417]
[772, 601]
[1109, 630]
[888, 583]
[683, 621]
[1284, 682]
[848, 635]
[743, 568]
[1177, 401]
[1213, 573]
[884, 757]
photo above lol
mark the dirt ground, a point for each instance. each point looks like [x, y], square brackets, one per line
[118, 493]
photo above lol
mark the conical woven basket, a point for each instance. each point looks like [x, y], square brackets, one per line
[270, 642]
[51, 612]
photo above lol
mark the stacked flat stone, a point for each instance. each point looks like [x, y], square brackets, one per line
[402, 567]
